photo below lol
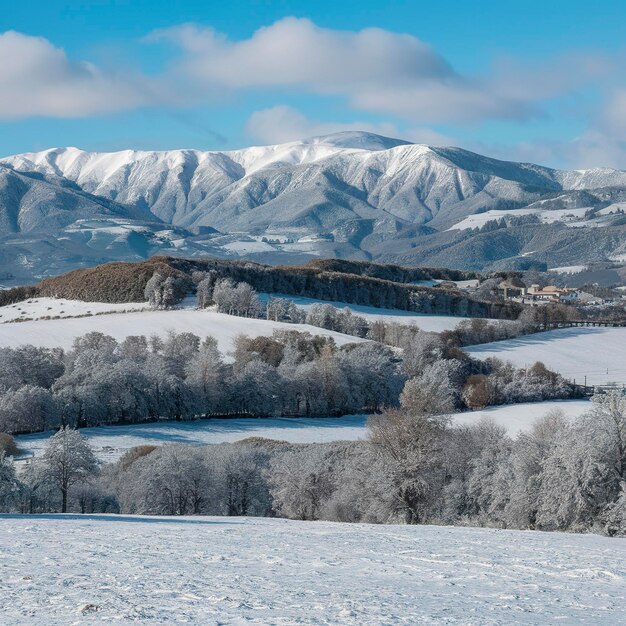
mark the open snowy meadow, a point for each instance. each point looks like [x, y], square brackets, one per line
[62, 569]
[595, 352]
[427, 322]
[38, 308]
[110, 442]
[62, 332]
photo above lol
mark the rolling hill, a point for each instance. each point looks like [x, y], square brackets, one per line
[275, 571]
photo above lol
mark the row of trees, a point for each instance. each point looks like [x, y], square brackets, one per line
[102, 381]
[414, 468]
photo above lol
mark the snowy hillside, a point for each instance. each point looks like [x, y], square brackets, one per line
[344, 195]
[62, 332]
[517, 418]
[597, 353]
[273, 571]
[236, 190]
[427, 322]
[37, 308]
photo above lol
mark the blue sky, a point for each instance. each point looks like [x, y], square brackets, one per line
[531, 80]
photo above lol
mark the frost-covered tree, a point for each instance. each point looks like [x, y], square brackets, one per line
[173, 480]
[352, 324]
[421, 349]
[9, 486]
[153, 290]
[163, 293]
[284, 310]
[134, 348]
[490, 475]
[322, 316]
[300, 483]
[411, 449]
[204, 290]
[28, 409]
[67, 460]
[178, 350]
[525, 469]
[242, 488]
[205, 375]
[240, 299]
[609, 417]
[29, 365]
[435, 391]
[170, 293]
[583, 474]
[261, 348]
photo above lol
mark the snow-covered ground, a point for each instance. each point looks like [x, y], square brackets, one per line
[209, 570]
[597, 353]
[547, 216]
[37, 308]
[520, 417]
[62, 332]
[568, 269]
[433, 323]
[110, 442]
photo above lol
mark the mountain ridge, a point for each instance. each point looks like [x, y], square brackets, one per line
[346, 194]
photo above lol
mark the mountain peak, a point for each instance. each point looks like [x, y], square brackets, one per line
[361, 140]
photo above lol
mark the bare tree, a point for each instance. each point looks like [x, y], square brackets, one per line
[68, 459]
[412, 451]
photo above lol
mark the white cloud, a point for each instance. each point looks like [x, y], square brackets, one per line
[374, 69]
[296, 52]
[283, 123]
[38, 79]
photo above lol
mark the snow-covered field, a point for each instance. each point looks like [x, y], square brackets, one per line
[432, 323]
[37, 308]
[520, 417]
[53, 333]
[547, 216]
[598, 353]
[76, 569]
[110, 442]
[568, 269]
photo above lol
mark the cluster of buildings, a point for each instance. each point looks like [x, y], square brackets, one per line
[515, 289]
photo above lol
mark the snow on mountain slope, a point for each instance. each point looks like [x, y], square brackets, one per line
[595, 353]
[230, 570]
[62, 332]
[571, 217]
[358, 195]
[33, 202]
[380, 176]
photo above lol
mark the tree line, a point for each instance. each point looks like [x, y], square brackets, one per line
[415, 467]
[103, 381]
[290, 373]
[365, 284]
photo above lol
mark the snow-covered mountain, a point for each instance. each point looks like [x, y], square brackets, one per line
[346, 194]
